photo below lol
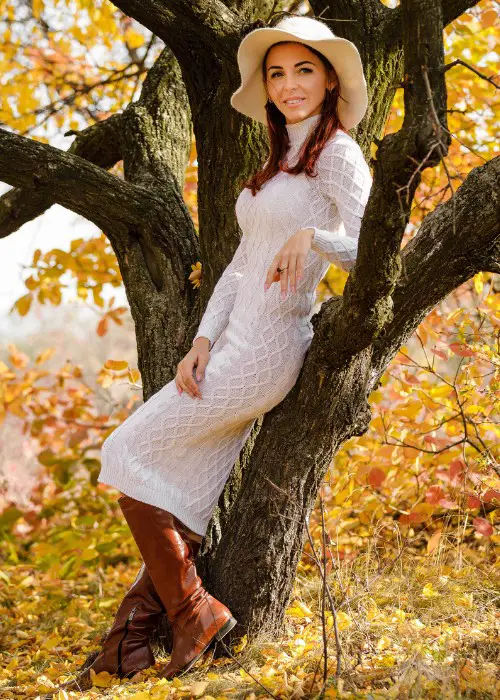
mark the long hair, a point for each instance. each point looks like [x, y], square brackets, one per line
[327, 126]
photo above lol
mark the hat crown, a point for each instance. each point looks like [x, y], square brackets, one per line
[305, 27]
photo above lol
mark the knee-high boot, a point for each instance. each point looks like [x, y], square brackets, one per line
[125, 649]
[196, 617]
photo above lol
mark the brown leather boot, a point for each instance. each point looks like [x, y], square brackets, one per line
[196, 617]
[126, 649]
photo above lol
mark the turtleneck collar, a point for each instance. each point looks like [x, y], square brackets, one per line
[298, 132]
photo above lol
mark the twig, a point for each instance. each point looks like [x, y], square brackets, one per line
[447, 66]
[332, 605]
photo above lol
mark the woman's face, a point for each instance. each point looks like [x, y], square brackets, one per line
[292, 70]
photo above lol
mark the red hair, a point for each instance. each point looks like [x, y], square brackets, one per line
[326, 127]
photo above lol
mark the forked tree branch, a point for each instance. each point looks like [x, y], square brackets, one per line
[98, 144]
[421, 142]
[156, 154]
[456, 241]
[67, 179]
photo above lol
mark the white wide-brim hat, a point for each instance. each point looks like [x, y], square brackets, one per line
[250, 98]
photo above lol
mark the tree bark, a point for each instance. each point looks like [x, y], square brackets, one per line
[250, 554]
[98, 144]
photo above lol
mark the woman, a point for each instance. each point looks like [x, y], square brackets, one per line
[171, 458]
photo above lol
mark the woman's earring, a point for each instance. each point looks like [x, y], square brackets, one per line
[270, 100]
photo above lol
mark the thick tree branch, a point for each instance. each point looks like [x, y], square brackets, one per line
[122, 210]
[145, 217]
[456, 241]
[157, 152]
[421, 142]
[184, 23]
[67, 179]
[390, 27]
[99, 144]
[454, 8]
[156, 130]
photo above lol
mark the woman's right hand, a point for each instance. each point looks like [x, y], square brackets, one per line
[198, 357]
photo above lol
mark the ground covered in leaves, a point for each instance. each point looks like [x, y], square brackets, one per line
[412, 621]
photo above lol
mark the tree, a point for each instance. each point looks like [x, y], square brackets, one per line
[254, 542]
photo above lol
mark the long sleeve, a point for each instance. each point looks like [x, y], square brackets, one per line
[221, 303]
[344, 178]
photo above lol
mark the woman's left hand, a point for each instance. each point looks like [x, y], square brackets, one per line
[292, 257]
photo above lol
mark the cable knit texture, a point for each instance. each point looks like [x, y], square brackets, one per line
[176, 452]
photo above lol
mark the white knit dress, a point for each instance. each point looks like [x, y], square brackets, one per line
[176, 452]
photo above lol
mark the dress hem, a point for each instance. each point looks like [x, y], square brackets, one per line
[133, 489]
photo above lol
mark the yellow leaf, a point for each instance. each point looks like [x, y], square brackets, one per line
[198, 688]
[31, 283]
[89, 554]
[373, 612]
[23, 304]
[343, 621]
[37, 8]
[386, 660]
[237, 649]
[478, 282]
[134, 39]
[299, 609]
[433, 542]
[342, 496]
[383, 643]
[472, 409]
[441, 391]
[429, 591]
[51, 643]
[100, 680]
[96, 293]
[465, 600]
[44, 355]
[134, 375]
[411, 410]
[398, 615]
[116, 364]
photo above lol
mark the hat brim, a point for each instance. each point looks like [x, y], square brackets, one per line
[250, 98]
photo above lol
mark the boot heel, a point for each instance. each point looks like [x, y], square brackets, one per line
[226, 628]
